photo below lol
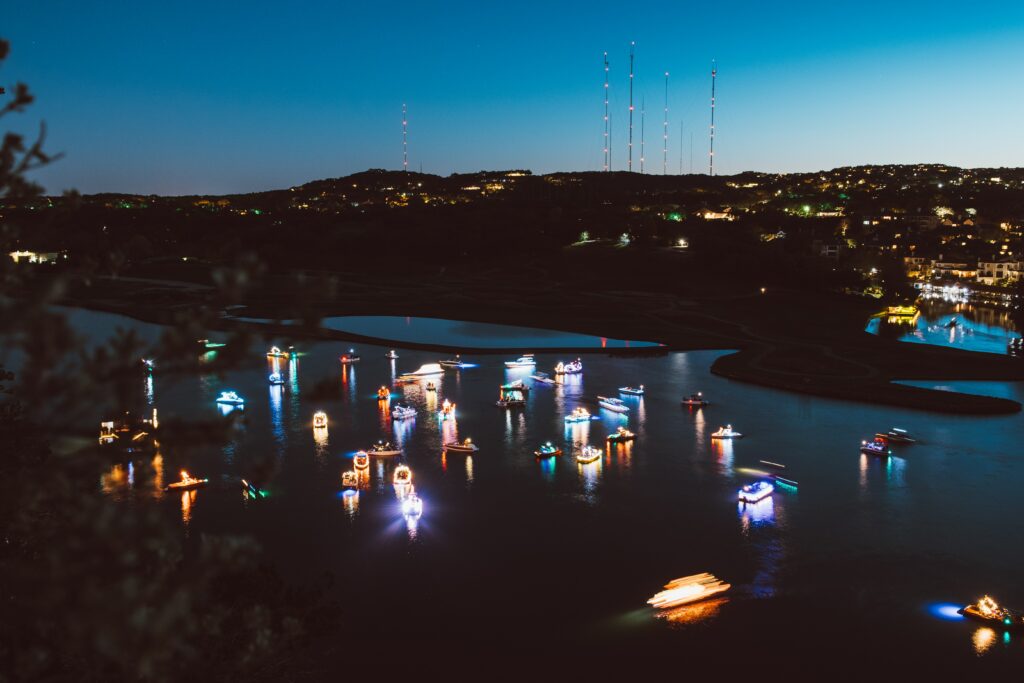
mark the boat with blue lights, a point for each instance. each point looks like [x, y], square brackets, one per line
[275, 378]
[464, 446]
[695, 400]
[361, 461]
[525, 361]
[752, 493]
[622, 435]
[579, 414]
[383, 394]
[391, 355]
[412, 506]
[548, 450]
[400, 412]
[384, 448]
[632, 391]
[614, 404]
[230, 398]
[989, 612]
[876, 447]
[454, 363]
[573, 368]
[588, 455]
[726, 432]
[349, 358]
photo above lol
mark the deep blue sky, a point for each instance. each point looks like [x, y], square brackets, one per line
[190, 97]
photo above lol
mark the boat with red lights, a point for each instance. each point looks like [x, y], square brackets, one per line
[349, 358]
[695, 400]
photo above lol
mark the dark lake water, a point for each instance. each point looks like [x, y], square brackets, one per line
[554, 561]
[959, 325]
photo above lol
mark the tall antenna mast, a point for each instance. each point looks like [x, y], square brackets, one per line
[607, 151]
[405, 139]
[643, 115]
[629, 161]
[680, 147]
[664, 134]
[711, 152]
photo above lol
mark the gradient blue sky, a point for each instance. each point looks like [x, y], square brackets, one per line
[191, 97]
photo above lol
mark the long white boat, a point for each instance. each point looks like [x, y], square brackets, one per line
[425, 370]
[382, 448]
[465, 446]
[613, 404]
[572, 368]
[579, 414]
[400, 412]
[525, 361]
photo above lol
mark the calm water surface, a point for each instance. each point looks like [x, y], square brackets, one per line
[959, 325]
[539, 555]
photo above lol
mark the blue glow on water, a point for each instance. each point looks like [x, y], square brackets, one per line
[946, 611]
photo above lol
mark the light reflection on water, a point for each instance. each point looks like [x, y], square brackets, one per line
[686, 615]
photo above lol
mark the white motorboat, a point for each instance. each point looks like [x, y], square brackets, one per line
[726, 432]
[524, 361]
[400, 412]
[613, 404]
[464, 446]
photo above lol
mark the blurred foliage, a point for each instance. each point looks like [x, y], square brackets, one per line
[98, 590]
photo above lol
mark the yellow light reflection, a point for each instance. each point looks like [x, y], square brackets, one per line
[158, 475]
[187, 499]
[351, 503]
[469, 469]
[693, 613]
[983, 640]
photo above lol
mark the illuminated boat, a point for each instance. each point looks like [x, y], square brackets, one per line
[129, 431]
[695, 400]
[383, 394]
[688, 589]
[465, 446]
[350, 480]
[876, 447]
[579, 414]
[230, 398]
[384, 448]
[613, 404]
[524, 361]
[543, 377]
[512, 395]
[391, 354]
[275, 352]
[402, 476]
[400, 412]
[759, 490]
[632, 391]
[896, 435]
[454, 363]
[431, 386]
[349, 358]
[252, 490]
[573, 368]
[148, 364]
[361, 460]
[275, 378]
[207, 345]
[621, 436]
[412, 506]
[588, 455]
[447, 410]
[187, 482]
[989, 612]
[319, 420]
[726, 432]
[547, 450]
[425, 370]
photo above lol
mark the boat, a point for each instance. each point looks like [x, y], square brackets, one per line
[431, 386]
[782, 480]
[275, 378]
[454, 363]
[383, 448]
[988, 611]
[876, 447]
[403, 476]
[517, 385]
[621, 436]
[207, 345]
[726, 432]
[632, 391]
[543, 377]
[588, 455]
[383, 394]
[319, 420]
[391, 354]
[129, 431]
[447, 410]
[579, 414]
[275, 352]
[464, 446]
[512, 395]
[350, 479]
[349, 358]
[573, 368]
[613, 404]
[424, 370]
[187, 483]
[547, 450]
[361, 460]
[412, 506]
[688, 589]
[400, 412]
[695, 400]
[148, 364]
[896, 435]
[752, 493]
[524, 361]
[252, 490]
[230, 398]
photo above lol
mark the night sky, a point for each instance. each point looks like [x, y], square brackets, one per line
[187, 97]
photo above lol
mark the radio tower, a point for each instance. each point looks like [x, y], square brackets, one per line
[629, 161]
[711, 152]
[405, 139]
[607, 155]
[664, 133]
[643, 115]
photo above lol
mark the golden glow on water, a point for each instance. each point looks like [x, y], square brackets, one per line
[158, 475]
[694, 613]
[983, 640]
[469, 469]
[187, 499]
[351, 503]
[723, 452]
[115, 479]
